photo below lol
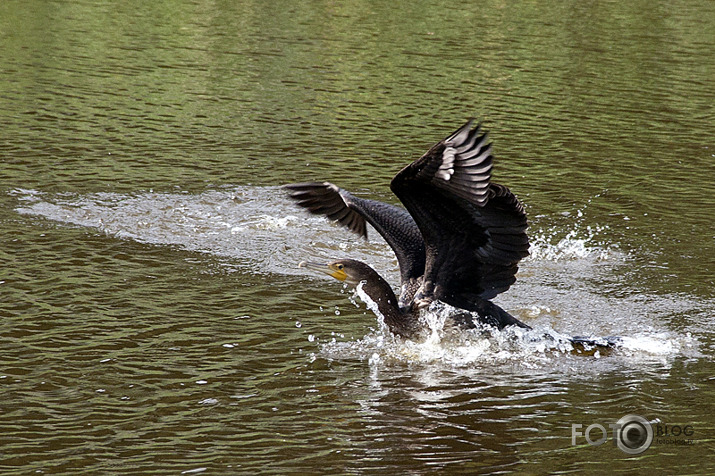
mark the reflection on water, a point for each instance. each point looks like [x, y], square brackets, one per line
[152, 317]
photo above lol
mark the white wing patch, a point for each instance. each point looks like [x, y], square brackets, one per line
[446, 170]
[465, 169]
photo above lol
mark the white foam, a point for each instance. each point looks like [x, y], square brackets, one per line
[576, 244]
[485, 346]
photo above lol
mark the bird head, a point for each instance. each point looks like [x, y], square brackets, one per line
[347, 270]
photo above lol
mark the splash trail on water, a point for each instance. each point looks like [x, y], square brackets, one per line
[257, 230]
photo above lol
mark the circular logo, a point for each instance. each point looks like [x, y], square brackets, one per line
[633, 434]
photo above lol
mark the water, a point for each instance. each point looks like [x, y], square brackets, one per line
[154, 319]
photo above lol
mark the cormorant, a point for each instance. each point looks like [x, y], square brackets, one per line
[458, 240]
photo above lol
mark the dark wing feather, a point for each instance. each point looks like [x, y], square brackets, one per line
[395, 224]
[474, 231]
[325, 199]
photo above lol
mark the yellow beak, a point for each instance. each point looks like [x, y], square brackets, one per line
[329, 269]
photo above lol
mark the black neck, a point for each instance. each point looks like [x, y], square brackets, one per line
[383, 296]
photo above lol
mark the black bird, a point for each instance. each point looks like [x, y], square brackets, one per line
[458, 241]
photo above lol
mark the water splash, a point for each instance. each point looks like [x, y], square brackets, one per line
[372, 306]
[576, 244]
[485, 347]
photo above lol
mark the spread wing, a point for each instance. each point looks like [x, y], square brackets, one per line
[395, 224]
[474, 230]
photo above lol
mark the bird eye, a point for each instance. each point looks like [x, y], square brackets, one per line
[340, 266]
